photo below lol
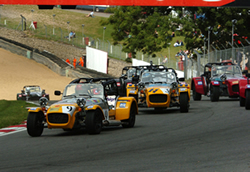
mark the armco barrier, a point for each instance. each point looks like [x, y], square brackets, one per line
[51, 61]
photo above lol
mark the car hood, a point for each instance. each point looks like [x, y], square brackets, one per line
[158, 89]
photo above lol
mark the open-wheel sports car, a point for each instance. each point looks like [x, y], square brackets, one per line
[89, 103]
[160, 89]
[219, 79]
[244, 91]
[31, 92]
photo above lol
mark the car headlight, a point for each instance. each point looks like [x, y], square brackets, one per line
[81, 102]
[43, 101]
[174, 85]
[223, 77]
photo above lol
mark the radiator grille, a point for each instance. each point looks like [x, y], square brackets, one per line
[235, 88]
[58, 118]
[158, 98]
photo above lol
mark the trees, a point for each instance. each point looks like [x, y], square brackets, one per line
[145, 29]
[199, 19]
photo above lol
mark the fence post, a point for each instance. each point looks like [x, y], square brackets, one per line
[45, 30]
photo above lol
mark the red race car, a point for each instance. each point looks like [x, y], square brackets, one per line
[219, 79]
[244, 91]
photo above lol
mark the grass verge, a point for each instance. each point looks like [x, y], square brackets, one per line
[13, 112]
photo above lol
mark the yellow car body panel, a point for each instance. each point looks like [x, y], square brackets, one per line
[132, 89]
[123, 107]
[35, 109]
[164, 92]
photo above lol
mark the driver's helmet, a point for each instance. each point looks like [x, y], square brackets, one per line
[79, 89]
[97, 91]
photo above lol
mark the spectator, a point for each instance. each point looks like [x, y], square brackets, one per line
[181, 43]
[239, 57]
[91, 14]
[74, 62]
[173, 34]
[165, 60]
[67, 60]
[244, 63]
[177, 43]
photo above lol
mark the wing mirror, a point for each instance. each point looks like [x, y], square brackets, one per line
[181, 79]
[57, 93]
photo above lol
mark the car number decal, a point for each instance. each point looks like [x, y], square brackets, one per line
[150, 90]
[216, 82]
[165, 90]
[183, 89]
[199, 82]
[32, 108]
[155, 90]
[68, 109]
[122, 105]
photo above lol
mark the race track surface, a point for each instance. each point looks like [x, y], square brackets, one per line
[213, 136]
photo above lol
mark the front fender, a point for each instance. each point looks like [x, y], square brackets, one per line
[198, 84]
[35, 109]
[123, 107]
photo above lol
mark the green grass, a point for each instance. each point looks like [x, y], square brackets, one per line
[91, 29]
[13, 112]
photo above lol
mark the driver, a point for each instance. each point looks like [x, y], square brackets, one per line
[81, 89]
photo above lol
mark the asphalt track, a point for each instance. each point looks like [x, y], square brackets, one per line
[211, 137]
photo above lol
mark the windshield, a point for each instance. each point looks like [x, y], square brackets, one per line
[165, 77]
[132, 72]
[227, 69]
[33, 89]
[77, 90]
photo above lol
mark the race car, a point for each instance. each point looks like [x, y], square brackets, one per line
[218, 79]
[161, 90]
[31, 92]
[89, 103]
[244, 91]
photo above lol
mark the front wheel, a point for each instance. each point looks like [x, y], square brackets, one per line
[214, 93]
[129, 123]
[242, 101]
[184, 104]
[35, 124]
[196, 96]
[94, 122]
[247, 103]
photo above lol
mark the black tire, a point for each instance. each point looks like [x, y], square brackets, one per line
[35, 124]
[131, 121]
[242, 101]
[184, 104]
[47, 97]
[196, 96]
[247, 103]
[214, 93]
[94, 122]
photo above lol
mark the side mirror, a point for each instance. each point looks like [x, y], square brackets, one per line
[181, 79]
[57, 93]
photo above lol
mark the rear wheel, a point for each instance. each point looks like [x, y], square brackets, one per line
[242, 101]
[35, 124]
[94, 122]
[196, 96]
[214, 93]
[129, 123]
[184, 104]
[247, 104]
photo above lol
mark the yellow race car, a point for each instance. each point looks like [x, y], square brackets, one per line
[86, 103]
[162, 89]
